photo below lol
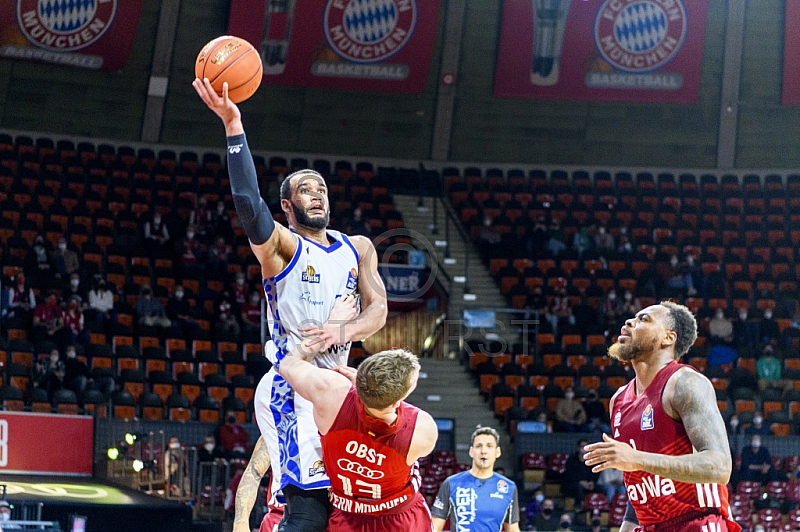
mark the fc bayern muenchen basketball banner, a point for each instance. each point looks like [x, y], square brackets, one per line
[367, 45]
[96, 34]
[601, 50]
[32, 443]
[791, 54]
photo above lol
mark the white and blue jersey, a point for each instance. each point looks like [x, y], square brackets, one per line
[302, 294]
[477, 505]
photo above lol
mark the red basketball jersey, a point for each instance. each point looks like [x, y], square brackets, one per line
[642, 422]
[365, 458]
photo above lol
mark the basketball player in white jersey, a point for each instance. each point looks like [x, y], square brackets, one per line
[305, 268]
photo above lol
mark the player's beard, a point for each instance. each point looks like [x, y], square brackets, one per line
[316, 223]
[631, 349]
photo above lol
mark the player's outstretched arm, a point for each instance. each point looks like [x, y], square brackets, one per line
[248, 486]
[694, 402]
[272, 243]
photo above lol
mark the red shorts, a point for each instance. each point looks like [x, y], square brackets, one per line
[705, 523]
[413, 518]
[271, 520]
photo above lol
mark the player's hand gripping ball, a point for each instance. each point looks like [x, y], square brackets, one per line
[230, 60]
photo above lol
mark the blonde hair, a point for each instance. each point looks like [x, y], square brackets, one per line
[385, 378]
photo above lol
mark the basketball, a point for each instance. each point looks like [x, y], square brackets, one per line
[232, 60]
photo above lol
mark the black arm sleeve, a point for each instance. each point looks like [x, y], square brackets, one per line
[253, 213]
[630, 515]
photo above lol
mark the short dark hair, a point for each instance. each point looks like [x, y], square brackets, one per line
[286, 185]
[681, 320]
[485, 430]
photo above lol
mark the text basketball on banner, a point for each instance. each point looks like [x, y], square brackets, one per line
[375, 45]
[28, 443]
[601, 50]
[96, 34]
[791, 54]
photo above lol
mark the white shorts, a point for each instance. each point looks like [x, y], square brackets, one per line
[286, 421]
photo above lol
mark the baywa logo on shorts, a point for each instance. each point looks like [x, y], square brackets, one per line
[639, 36]
[317, 469]
[369, 32]
[65, 25]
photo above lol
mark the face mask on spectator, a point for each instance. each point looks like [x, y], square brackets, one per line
[74, 282]
[53, 358]
[240, 281]
[5, 516]
[254, 300]
[231, 419]
[539, 498]
[175, 445]
[179, 294]
[569, 395]
[757, 420]
[209, 447]
[190, 235]
[62, 246]
[71, 353]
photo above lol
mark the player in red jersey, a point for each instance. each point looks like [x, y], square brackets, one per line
[371, 438]
[668, 435]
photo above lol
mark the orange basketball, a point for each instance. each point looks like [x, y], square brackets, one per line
[232, 60]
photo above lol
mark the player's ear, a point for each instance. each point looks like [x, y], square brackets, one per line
[498, 453]
[286, 206]
[670, 337]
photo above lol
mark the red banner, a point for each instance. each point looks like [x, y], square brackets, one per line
[791, 54]
[601, 50]
[46, 443]
[96, 34]
[380, 45]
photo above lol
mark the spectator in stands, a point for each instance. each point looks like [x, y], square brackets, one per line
[582, 241]
[209, 451]
[757, 462]
[77, 376]
[768, 371]
[190, 253]
[21, 301]
[489, 238]
[75, 291]
[604, 241]
[631, 304]
[537, 301]
[156, 235]
[720, 328]
[357, 225]
[49, 374]
[5, 516]
[721, 355]
[222, 222]
[745, 331]
[556, 243]
[149, 309]
[218, 258]
[570, 415]
[251, 314]
[537, 240]
[239, 467]
[560, 311]
[578, 477]
[38, 264]
[565, 522]
[612, 483]
[694, 274]
[179, 312]
[768, 329]
[74, 323]
[625, 247]
[757, 426]
[596, 414]
[101, 302]
[226, 328]
[65, 261]
[202, 220]
[534, 508]
[48, 321]
[232, 437]
[240, 289]
[678, 279]
[547, 520]
[613, 310]
[176, 468]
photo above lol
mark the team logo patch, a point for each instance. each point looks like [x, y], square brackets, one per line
[316, 469]
[617, 419]
[639, 36]
[64, 25]
[647, 418]
[502, 486]
[310, 275]
[369, 31]
[352, 279]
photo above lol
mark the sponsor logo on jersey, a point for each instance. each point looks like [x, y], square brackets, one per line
[64, 25]
[617, 418]
[236, 148]
[306, 296]
[639, 36]
[650, 487]
[369, 32]
[317, 469]
[352, 279]
[502, 486]
[310, 275]
[647, 418]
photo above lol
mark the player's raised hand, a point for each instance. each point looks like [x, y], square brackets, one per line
[611, 453]
[332, 332]
[222, 106]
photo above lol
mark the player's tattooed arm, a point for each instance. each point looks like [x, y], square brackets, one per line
[695, 403]
[248, 487]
